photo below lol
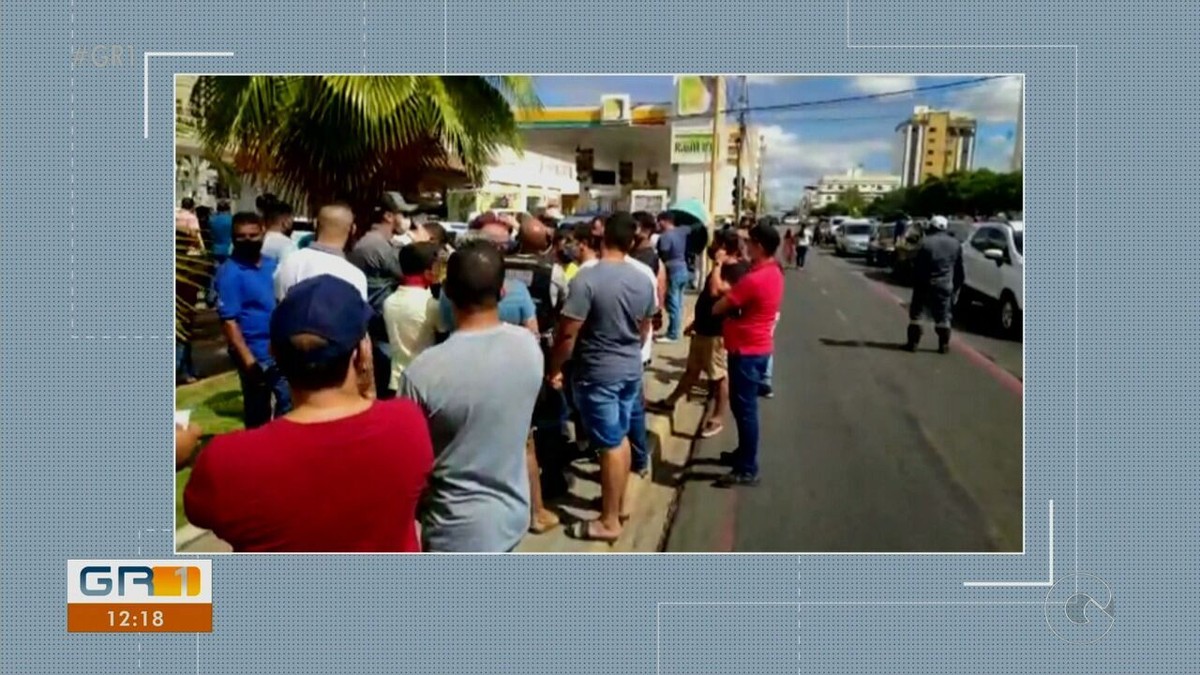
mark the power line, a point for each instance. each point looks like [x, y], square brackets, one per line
[957, 84]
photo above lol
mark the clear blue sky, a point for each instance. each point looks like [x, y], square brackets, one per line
[804, 144]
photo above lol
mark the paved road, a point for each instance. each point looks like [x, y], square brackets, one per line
[978, 325]
[866, 447]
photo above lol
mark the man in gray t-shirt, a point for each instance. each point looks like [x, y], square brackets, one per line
[612, 299]
[606, 317]
[478, 389]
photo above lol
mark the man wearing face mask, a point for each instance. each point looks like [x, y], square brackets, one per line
[567, 252]
[246, 298]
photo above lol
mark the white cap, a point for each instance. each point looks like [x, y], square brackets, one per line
[939, 222]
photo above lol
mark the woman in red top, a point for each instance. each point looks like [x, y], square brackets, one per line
[752, 307]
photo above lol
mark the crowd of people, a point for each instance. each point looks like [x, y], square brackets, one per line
[403, 390]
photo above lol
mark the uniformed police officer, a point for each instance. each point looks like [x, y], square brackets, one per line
[937, 276]
[534, 264]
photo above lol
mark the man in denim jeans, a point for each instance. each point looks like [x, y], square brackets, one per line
[606, 318]
[751, 308]
[672, 248]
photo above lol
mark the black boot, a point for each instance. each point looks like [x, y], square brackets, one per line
[943, 333]
[914, 337]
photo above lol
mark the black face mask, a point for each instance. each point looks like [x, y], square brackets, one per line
[247, 249]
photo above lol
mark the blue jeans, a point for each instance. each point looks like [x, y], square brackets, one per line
[677, 280]
[746, 375]
[767, 374]
[606, 410]
[639, 441]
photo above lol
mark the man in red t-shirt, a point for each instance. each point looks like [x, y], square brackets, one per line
[339, 472]
[751, 306]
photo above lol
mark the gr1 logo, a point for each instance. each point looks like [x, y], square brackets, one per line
[139, 596]
[140, 581]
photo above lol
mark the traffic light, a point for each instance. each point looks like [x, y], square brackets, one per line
[739, 186]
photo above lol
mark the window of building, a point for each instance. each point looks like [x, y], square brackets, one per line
[932, 129]
[930, 152]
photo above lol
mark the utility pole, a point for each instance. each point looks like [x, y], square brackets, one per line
[762, 164]
[737, 182]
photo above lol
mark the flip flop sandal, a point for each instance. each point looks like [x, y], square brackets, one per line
[710, 431]
[543, 527]
[580, 530]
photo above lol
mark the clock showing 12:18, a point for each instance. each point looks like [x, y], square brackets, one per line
[124, 618]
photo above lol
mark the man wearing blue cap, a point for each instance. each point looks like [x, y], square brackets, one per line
[339, 473]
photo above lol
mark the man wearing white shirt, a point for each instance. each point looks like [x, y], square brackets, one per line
[335, 224]
[278, 244]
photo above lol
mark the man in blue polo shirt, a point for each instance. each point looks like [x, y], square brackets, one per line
[246, 297]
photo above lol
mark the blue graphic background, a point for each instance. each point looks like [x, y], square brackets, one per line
[85, 347]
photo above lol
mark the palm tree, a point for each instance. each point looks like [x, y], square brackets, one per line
[350, 137]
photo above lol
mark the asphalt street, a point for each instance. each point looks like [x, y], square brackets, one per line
[866, 447]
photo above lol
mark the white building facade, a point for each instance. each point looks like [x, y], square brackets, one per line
[870, 185]
[534, 180]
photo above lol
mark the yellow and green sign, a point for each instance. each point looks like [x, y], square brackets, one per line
[691, 145]
[694, 94]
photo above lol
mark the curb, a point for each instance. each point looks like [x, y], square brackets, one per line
[677, 497]
[187, 534]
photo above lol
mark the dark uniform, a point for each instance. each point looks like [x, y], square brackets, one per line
[937, 276]
[550, 415]
[537, 273]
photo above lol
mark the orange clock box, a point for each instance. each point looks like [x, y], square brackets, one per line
[122, 617]
[139, 596]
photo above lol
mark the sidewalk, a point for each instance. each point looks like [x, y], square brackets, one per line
[652, 500]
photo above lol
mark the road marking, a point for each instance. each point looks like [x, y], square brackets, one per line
[841, 316]
[823, 291]
[1005, 378]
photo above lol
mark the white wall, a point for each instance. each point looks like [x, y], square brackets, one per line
[533, 170]
[692, 182]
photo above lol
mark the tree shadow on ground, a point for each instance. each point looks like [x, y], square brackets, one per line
[664, 375]
[225, 404]
[871, 344]
[883, 276]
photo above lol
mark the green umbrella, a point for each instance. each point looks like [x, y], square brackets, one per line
[689, 212]
[692, 214]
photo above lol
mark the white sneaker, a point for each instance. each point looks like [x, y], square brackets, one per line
[665, 340]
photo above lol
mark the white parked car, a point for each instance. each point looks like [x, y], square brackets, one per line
[853, 237]
[994, 266]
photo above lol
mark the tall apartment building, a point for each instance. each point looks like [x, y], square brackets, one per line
[934, 143]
